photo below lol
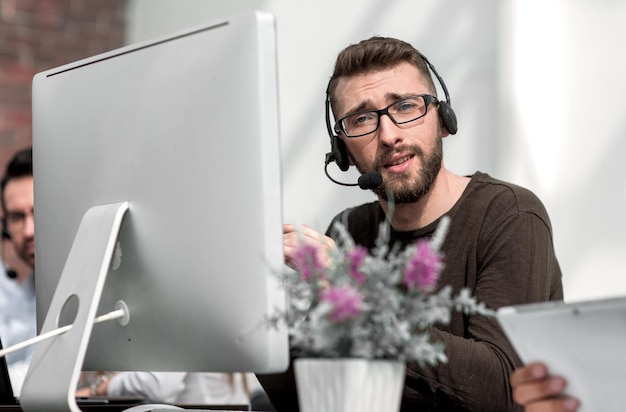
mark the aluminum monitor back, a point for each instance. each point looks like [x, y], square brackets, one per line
[186, 129]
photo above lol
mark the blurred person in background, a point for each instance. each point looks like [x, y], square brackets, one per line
[17, 289]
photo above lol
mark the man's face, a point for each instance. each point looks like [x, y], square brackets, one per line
[408, 157]
[19, 218]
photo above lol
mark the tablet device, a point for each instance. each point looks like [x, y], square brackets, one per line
[585, 342]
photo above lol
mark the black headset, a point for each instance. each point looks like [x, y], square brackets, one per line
[338, 152]
[11, 273]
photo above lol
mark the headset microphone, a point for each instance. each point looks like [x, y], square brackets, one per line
[370, 180]
[367, 181]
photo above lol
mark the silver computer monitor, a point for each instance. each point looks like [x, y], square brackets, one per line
[185, 129]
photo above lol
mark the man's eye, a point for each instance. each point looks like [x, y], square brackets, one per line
[363, 119]
[15, 217]
[406, 105]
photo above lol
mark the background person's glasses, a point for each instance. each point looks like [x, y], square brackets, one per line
[15, 221]
[401, 112]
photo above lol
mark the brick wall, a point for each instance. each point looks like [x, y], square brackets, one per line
[37, 35]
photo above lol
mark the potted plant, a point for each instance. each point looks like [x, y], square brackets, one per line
[354, 323]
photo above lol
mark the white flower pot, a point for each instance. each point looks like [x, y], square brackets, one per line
[349, 384]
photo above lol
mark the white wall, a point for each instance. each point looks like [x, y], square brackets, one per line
[565, 69]
[536, 85]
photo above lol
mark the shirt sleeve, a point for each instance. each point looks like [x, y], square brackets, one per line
[515, 263]
[154, 387]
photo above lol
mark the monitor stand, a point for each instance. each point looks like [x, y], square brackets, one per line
[50, 383]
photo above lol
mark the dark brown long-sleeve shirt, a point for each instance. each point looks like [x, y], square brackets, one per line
[499, 245]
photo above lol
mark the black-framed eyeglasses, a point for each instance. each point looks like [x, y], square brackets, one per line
[401, 112]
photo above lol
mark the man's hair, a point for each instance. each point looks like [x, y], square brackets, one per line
[376, 54]
[20, 165]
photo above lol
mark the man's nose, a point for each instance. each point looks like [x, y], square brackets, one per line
[29, 225]
[388, 131]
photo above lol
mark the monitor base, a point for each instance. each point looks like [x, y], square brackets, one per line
[47, 386]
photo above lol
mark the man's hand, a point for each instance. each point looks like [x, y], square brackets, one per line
[538, 391]
[293, 236]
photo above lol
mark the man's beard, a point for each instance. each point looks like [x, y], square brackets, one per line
[403, 187]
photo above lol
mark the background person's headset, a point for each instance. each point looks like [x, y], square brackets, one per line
[11, 273]
[338, 152]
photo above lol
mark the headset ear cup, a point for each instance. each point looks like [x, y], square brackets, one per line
[340, 154]
[448, 117]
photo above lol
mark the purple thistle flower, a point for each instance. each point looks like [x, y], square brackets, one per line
[355, 257]
[345, 300]
[306, 260]
[422, 268]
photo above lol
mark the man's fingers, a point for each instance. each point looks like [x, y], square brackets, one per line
[541, 389]
[553, 405]
[531, 372]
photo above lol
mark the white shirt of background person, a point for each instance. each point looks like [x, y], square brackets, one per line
[181, 387]
[18, 323]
